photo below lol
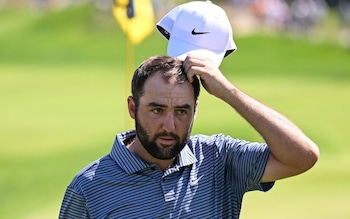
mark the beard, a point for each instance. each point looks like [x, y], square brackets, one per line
[157, 151]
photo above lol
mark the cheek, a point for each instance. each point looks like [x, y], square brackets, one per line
[149, 123]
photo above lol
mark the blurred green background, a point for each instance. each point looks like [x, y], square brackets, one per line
[63, 89]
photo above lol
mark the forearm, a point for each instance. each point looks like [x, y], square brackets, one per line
[287, 143]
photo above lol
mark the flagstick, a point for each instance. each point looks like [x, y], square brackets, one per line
[129, 71]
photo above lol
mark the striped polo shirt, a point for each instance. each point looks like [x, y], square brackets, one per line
[208, 180]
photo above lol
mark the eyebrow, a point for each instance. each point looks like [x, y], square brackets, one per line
[154, 104]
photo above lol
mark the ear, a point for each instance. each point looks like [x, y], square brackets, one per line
[131, 107]
[196, 108]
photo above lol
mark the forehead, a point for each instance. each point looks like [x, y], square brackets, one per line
[158, 89]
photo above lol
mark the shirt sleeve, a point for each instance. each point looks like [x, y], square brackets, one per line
[246, 162]
[73, 205]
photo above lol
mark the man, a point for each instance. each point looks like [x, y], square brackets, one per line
[159, 171]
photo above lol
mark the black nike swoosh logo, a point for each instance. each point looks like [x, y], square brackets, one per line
[197, 33]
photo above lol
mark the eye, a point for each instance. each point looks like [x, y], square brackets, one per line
[181, 112]
[157, 110]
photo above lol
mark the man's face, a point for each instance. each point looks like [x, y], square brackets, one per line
[164, 117]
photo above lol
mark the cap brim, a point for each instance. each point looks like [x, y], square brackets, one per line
[180, 49]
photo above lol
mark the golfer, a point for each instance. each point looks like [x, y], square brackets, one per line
[159, 171]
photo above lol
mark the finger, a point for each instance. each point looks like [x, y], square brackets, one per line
[190, 73]
[187, 65]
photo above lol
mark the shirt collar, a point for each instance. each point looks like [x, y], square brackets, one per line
[132, 163]
[186, 157]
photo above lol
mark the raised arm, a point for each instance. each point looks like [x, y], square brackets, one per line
[292, 152]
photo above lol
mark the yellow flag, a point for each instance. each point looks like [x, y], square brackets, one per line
[135, 17]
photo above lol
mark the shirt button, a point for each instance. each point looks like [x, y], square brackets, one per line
[153, 168]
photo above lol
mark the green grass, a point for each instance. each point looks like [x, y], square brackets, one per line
[63, 88]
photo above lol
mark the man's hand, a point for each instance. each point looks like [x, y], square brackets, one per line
[211, 77]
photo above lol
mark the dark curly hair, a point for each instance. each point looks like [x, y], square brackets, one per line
[170, 67]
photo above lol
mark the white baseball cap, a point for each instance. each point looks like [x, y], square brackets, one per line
[198, 26]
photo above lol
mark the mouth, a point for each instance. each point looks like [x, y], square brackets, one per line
[166, 140]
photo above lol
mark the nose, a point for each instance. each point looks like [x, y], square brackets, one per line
[169, 123]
